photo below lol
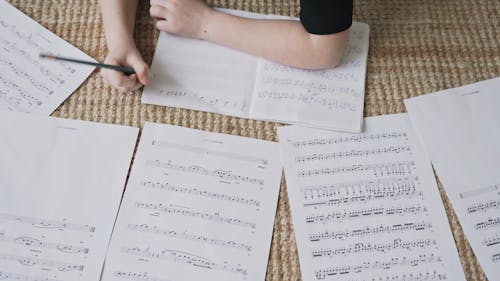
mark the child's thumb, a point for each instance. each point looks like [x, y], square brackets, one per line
[140, 67]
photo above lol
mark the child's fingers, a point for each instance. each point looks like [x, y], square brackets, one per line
[140, 67]
[164, 25]
[120, 81]
[163, 3]
[158, 12]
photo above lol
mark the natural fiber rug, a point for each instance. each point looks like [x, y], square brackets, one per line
[416, 47]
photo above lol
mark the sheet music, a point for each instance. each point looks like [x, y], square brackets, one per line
[461, 131]
[330, 98]
[366, 206]
[61, 183]
[27, 83]
[199, 75]
[198, 206]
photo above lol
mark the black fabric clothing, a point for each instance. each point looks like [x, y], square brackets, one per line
[326, 16]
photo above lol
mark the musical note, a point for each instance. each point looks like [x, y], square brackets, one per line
[351, 153]
[200, 192]
[403, 168]
[135, 276]
[215, 217]
[187, 236]
[36, 243]
[27, 261]
[41, 85]
[393, 262]
[484, 206]
[369, 199]
[183, 258]
[210, 226]
[199, 170]
[348, 139]
[491, 241]
[47, 224]
[360, 191]
[491, 222]
[363, 213]
[411, 276]
[4, 275]
[368, 247]
[312, 87]
[27, 77]
[367, 231]
[327, 103]
[495, 257]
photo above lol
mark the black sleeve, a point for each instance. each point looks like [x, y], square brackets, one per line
[326, 16]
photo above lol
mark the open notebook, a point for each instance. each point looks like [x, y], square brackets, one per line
[199, 75]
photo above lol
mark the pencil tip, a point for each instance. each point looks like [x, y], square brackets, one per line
[46, 56]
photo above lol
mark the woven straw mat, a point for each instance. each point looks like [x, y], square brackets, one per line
[416, 47]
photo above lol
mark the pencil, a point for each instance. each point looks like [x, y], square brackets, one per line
[126, 70]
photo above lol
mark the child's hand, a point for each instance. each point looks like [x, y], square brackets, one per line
[183, 17]
[131, 58]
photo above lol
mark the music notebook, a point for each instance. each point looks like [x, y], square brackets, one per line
[61, 182]
[203, 76]
[28, 84]
[366, 206]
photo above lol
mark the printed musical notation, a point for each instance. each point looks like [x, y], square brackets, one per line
[196, 228]
[4, 275]
[374, 196]
[135, 276]
[400, 168]
[485, 206]
[368, 247]
[192, 237]
[369, 231]
[37, 243]
[320, 142]
[200, 192]
[58, 204]
[491, 241]
[394, 262]
[28, 84]
[465, 156]
[328, 98]
[352, 153]
[185, 211]
[27, 261]
[491, 222]
[184, 258]
[365, 212]
[199, 170]
[47, 224]
[361, 192]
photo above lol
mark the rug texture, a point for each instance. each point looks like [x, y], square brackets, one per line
[416, 47]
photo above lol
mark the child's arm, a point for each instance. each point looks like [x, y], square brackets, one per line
[282, 41]
[119, 20]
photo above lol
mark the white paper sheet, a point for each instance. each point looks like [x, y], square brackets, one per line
[366, 206]
[198, 206]
[330, 99]
[460, 129]
[61, 183]
[28, 83]
[203, 76]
